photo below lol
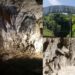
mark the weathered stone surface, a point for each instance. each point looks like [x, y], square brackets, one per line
[59, 57]
[24, 31]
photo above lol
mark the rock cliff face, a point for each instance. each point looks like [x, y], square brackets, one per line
[24, 31]
[59, 56]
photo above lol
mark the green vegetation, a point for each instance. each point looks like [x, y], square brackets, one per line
[47, 32]
[73, 25]
[57, 25]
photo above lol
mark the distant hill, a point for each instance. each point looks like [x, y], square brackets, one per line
[59, 9]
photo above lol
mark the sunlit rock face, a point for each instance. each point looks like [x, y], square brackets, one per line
[59, 56]
[30, 29]
[25, 33]
[69, 70]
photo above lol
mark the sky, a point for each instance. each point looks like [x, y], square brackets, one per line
[58, 2]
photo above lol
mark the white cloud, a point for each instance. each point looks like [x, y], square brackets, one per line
[54, 2]
[51, 2]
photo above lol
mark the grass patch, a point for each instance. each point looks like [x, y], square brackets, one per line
[47, 32]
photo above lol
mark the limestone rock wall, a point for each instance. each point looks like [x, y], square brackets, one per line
[26, 33]
[59, 56]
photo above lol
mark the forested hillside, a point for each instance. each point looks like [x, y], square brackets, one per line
[57, 25]
[73, 25]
